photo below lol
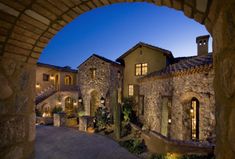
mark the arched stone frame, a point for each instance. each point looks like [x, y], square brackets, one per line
[22, 43]
[68, 79]
[185, 101]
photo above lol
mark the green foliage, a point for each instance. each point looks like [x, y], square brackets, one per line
[128, 104]
[38, 113]
[81, 113]
[57, 110]
[102, 117]
[135, 146]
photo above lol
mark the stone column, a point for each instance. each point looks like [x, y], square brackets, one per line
[117, 114]
[224, 83]
[17, 108]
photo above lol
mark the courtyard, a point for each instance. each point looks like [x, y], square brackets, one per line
[67, 143]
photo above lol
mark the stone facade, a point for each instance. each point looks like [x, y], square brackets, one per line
[99, 75]
[27, 27]
[180, 90]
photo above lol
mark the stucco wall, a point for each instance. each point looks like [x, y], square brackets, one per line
[154, 58]
[181, 89]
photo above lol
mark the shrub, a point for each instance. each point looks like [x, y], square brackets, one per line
[38, 113]
[57, 110]
[127, 110]
[135, 146]
[102, 117]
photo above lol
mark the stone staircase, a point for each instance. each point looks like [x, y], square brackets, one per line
[44, 94]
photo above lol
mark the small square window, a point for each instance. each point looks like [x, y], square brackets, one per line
[46, 77]
[93, 73]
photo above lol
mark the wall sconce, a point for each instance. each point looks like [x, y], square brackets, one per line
[59, 103]
[75, 103]
[102, 100]
[37, 85]
[80, 99]
[169, 121]
[52, 77]
[191, 110]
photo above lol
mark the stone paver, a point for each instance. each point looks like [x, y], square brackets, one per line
[66, 143]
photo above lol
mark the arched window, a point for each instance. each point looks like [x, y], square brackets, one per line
[68, 80]
[194, 119]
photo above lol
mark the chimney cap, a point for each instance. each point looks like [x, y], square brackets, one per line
[202, 38]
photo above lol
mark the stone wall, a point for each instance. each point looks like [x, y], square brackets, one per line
[17, 117]
[105, 81]
[181, 89]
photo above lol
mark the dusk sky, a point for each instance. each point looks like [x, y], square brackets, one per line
[112, 30]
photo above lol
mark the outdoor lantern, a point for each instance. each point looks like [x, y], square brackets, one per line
[80, 99]
[59, 103]
[102, 100]
[75, 103]
[37, 85]
[191, 110]
[169, 121]
[52, 77]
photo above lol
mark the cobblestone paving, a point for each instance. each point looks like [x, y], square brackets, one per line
[66, 143]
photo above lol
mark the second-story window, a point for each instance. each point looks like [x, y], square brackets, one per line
[93, 73]
[141, 69]
[68, 80]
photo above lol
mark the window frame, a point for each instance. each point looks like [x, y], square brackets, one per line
[129, 90]
[141, 69]
[45, 77]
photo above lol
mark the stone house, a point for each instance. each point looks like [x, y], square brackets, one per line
[174, 96]
[97, 78]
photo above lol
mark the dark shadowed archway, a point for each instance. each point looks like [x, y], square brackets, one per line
[28, 25]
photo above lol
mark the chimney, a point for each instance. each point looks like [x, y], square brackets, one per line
[202, 45]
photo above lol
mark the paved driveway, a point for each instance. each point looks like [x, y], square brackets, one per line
[66, 143]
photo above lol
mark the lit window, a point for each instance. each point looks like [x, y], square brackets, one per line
[141, 69]
[93, 73]
[68, 80]
[131, 90]
[195, 119]
[45, 77]
[138, 69]
[144, 69]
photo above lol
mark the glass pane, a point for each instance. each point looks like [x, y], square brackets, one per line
[131, 90]
[144, 68]
[138, 69]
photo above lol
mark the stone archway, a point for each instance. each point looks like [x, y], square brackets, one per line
[27, 27]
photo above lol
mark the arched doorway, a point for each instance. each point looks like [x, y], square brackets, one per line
[28, 27]
[68, 80]
[194, 113]
[94, 102]
[69, 107]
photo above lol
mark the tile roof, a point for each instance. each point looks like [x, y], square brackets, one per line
[166, 52]
[183, 65]
[59, 68]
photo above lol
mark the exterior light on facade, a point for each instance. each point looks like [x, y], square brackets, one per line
[52, 77]
[59, 103]
[102, 100]
[75, 103]
[169, 121]
[80, 99]
[191, 110]
[37, 85]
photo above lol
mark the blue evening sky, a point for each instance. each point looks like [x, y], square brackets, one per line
[111, 30]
